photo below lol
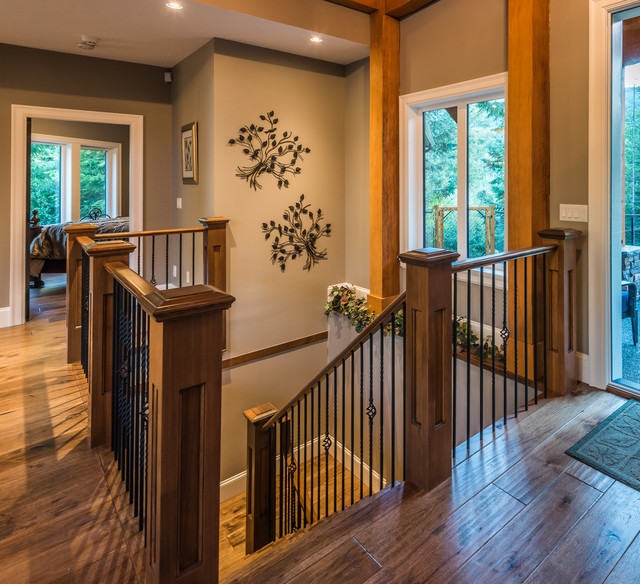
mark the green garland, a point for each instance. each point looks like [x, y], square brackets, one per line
[343, 300]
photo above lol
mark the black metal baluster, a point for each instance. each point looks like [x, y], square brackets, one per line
[115, 344]
[282, 479]
[535, 328]
[193, 259]
[371, 412]
[153, 261]
[136, 412]
[405, 316]
[381, 329]
[493, 347]
[455, 362]
[545, 316]
[299, 462]
[393, 398]
[304, 474]
[335, 439]
[319, 445]
[180, 262]
[292, 471]
[515, 337]
[526, 337]
[481, 355]
[505, 337]
[343, 430]
[138, 250]
[468, 360]
[353, 447]
[166, 262]
[326, 444]
[311, 447]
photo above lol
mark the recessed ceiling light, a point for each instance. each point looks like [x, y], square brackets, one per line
[315, 39]
[175, 5]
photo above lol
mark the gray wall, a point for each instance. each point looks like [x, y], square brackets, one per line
[42, 78]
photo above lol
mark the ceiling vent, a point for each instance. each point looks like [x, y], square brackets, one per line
[88, 43]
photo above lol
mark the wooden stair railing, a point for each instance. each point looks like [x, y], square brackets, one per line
[537, 321]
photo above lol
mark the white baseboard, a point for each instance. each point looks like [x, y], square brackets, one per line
[584, 374]
[233, 486]
[5, 316]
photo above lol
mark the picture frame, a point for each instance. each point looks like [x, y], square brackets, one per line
[189, 150]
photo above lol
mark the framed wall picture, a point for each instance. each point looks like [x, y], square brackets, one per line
[190, 154]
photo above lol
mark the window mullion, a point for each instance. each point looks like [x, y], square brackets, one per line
[462, 214]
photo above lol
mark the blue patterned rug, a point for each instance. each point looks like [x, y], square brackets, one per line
[613, 446]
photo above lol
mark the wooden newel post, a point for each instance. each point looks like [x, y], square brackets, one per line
[74, 286]
[183, 479]
[101, 335]
[562, 376]
[261, 478]
[429, 362]
[215, 251]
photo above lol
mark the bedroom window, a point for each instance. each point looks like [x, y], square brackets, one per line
[71, 176]
[453, 188]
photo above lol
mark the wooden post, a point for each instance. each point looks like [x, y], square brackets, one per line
[215, 251]
[429, 362]
[101, 335]
[562, 372]
[261, 479]
[74, 286]
[183, 481]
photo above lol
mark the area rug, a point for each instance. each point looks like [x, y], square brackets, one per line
[613, 446]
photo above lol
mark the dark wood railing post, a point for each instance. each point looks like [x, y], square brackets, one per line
[74, 286]
[101, 335]
[261, 478]
[185, 390]
[215, 251]
[562, 362]
[429, 361]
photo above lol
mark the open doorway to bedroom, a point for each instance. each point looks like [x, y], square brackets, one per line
[131, 174]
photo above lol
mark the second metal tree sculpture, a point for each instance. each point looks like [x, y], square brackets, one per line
[293, 239]
[268, 153]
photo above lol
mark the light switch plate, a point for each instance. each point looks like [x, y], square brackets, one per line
[574, 213]
[179, 202]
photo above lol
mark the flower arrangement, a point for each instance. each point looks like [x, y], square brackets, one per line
[343, 300]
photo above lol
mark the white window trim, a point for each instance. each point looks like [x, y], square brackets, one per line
[70, 173]
[411, 180]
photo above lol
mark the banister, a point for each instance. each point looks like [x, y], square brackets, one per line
[516, 254]
[373, 327]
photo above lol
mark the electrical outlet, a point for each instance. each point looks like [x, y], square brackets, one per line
[175, 271]
[188, 277]
[179, 202]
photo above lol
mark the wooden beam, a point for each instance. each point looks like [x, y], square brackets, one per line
[384, 153]
[367, 6]
[528, 121]
[402, 8]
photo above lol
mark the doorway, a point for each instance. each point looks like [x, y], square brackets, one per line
[20, 115]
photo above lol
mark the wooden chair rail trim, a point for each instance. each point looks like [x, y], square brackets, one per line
[127, 234]
[484, 261]
[274, 350]
[372, 328]
[169, 304]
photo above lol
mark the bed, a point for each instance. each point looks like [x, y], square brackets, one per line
[48, 248]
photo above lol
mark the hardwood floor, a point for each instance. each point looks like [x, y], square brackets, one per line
[517, 510]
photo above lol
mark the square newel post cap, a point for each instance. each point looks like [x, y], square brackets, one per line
[213, 222]
[109, 248]
[559, 233]
[78, 229]
[428, 256]
[260, 413]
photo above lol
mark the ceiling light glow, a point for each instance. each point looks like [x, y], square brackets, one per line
[175, 5]
[315, 39]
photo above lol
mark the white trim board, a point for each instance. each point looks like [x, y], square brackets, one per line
[5, 316]
[233, 486]
[19, 115]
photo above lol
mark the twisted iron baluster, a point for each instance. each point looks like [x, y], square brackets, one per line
[371, 412]
[504, 334]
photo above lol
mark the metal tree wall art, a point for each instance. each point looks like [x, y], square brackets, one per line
[298, 236]
[268, 153]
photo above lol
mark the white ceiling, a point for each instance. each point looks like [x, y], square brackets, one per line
[146, 31]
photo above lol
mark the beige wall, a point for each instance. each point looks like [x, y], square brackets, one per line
[42, 78]
[115, 133]
[452, 41]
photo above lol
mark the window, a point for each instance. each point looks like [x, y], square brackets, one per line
[454, 193]
[70, 177]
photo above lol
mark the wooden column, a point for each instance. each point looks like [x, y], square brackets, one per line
[101, 335]
[261, 479]
[528, 122]
[185, 379]
[562, 366]
[429, 364]
[215, 251]
[74, 286]
[384, 153]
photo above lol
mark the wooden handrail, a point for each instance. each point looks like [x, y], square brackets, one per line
[516, 254]
[127, 234]
[373, 327]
